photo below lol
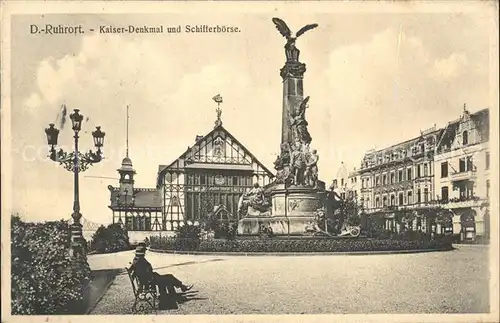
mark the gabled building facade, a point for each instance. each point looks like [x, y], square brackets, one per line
[462, 181]
[208, 177]
[215, 171]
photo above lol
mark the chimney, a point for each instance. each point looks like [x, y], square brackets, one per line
[198, 138]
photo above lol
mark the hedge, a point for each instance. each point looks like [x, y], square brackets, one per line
[44, 280]
[296, 245]
[112, 238]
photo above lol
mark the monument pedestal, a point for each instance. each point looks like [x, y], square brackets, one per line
[293, 208]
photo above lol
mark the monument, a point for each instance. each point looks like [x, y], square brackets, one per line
[289, 205]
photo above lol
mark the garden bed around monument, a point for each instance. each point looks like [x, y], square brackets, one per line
[295, 245]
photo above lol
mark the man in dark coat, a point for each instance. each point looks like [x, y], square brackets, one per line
[143, 270]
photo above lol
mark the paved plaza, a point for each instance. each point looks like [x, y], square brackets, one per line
[437, 282]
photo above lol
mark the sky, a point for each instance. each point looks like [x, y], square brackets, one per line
[373, 80]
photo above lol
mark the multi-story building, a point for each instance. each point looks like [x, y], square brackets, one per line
[400, 176]
[354, 186]
[446, 168]
[215, 171]
[462, 163]
[346, 183]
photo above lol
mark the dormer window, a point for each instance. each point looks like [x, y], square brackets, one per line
[465, 138]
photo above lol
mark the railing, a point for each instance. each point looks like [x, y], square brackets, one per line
[464, 201]
[460, 176]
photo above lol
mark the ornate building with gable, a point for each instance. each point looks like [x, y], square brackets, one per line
[209, 176]
[215, 171]
[462, 181]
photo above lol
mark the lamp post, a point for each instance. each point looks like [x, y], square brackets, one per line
[75, 162]
[124, 203]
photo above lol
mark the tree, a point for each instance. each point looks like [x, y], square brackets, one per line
[405, 218]
[351, 211]
[206, 212]
[112, 238]
[340, 212]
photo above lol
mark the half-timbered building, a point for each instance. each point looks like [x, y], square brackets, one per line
[209, 176]
[215, 171]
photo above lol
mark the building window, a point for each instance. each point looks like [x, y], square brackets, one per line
[418, 171]
[419, 196]
[470, 165]
[465, 138]
[203, 179]
[392, 178]
[444, 193]
[426, 170]
[487, 188]
[400, 176]
[342, 182]
[377, 202]
[461, 165]
[393, 200]
[401, 199]
[408, 177]
[409, 198]
[384, 179]
[444, 170]
[235, 180]
[426, 195]
[384, 201]
[487, 160]
[377, 180]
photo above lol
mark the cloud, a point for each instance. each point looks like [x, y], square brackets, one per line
[363, 94]
[449, 67]
[377, 95]
[167, 108]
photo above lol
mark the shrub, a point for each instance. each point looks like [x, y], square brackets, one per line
[187, 237]
[44, 279]
[299, 245]
[112, 238]
[188, 231]
[226, 230]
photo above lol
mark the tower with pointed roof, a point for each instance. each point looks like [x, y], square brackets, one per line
[137, 209]
[126, 171]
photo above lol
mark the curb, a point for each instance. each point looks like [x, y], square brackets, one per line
[328, 253]
[105, 290]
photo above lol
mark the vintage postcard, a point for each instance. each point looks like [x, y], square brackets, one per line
[250, 161]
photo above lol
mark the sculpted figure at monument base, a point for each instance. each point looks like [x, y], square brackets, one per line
[253, 202]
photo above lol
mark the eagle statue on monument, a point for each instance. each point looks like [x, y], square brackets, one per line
[292, 52]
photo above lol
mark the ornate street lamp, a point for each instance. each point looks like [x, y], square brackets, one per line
[75, 162]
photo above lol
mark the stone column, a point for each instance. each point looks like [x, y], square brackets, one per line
[293, 94]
